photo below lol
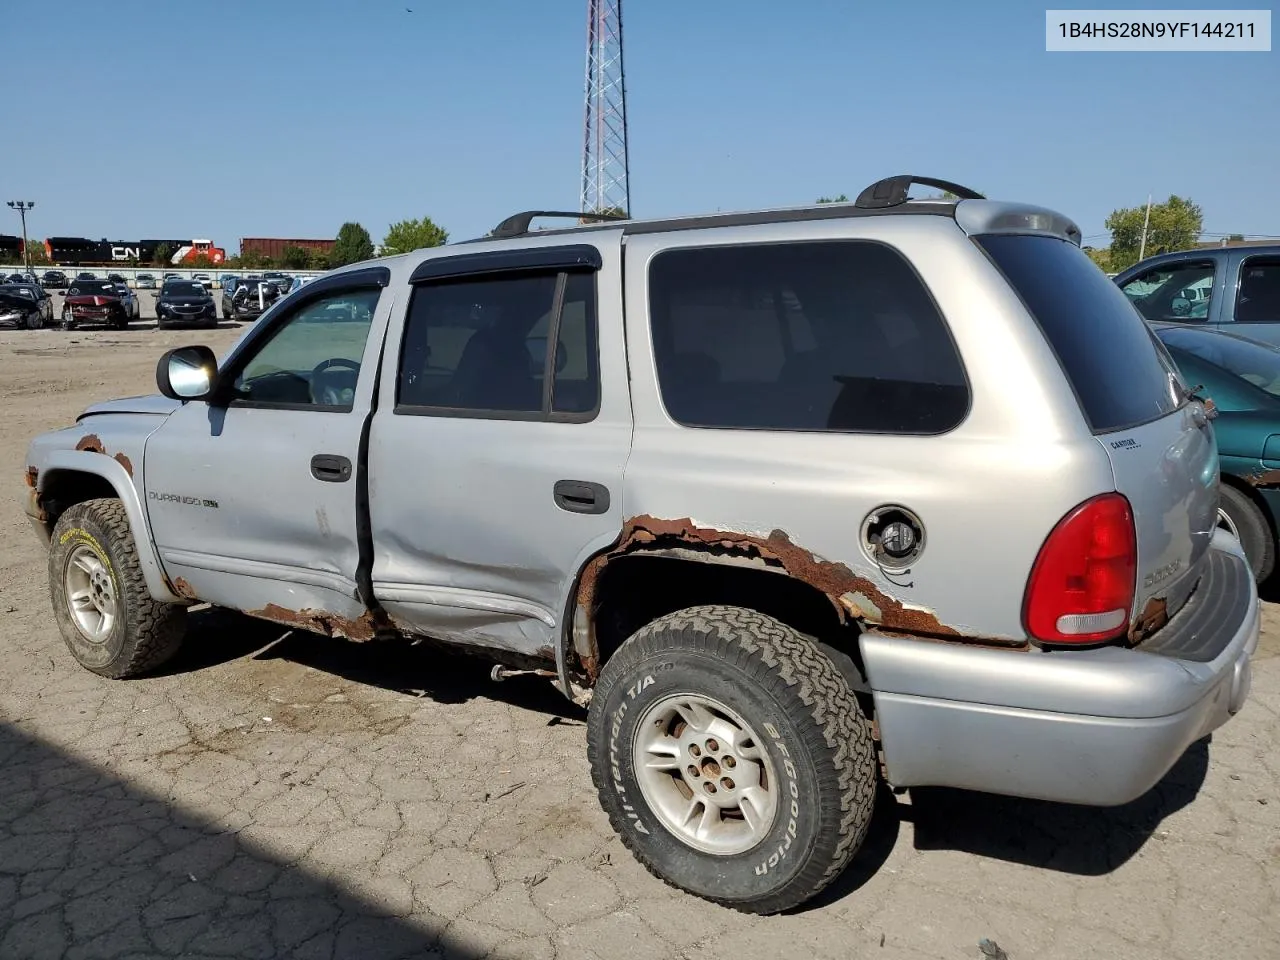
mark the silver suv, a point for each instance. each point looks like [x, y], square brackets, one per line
[797, 500]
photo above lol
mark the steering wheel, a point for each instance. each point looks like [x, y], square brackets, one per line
[333, 394]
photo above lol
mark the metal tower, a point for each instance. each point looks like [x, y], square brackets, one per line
[605, 186]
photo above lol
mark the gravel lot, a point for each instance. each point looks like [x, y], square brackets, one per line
[280, 794]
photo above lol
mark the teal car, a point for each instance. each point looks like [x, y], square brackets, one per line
[1242, 377]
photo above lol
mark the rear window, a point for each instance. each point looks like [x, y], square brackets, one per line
[1120, 374]
[814, 336]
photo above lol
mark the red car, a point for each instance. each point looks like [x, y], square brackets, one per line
[94, 301]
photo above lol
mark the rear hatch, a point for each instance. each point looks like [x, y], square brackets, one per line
[1159, 441]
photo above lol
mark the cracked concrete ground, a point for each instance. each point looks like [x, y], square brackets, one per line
[278, 795]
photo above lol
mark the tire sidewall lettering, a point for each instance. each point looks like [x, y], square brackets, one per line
[84, 536]
[628, 702]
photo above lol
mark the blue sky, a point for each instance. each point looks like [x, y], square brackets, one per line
[286, 117]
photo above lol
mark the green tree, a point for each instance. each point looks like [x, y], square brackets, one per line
[162, 255]
[1175, 225]
[413, 235]
[842, 198]
[1101, 257]
[352, 245]
[295, 257]
[37, 254]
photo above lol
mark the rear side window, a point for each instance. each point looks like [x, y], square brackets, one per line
[1120, 375]
[816, 336]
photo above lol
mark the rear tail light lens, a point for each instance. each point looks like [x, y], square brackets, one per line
[1082, 585]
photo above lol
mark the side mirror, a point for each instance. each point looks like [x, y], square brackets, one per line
[187, 373]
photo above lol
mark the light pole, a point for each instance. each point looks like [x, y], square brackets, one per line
[22, 207]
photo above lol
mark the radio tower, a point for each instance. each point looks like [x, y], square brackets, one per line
[605, 186]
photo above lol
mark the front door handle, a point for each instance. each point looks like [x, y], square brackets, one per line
[581, 496]
[330, 467]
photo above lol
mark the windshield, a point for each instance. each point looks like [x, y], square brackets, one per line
[88, 288]
[1253, 362]
[183, 290]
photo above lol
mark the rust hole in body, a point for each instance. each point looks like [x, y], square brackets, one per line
[1264, 478]
[1154, 616]
[32, 477]
[92, 443]
[364, 627]
[183, 589]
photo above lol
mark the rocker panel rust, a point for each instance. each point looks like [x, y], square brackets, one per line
[364, 627]
[854, 597]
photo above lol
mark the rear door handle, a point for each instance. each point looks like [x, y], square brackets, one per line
[581, 496]
[330, 467]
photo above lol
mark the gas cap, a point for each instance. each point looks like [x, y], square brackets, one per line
[893, 537]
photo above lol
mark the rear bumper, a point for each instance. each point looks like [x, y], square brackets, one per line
[1097, 727]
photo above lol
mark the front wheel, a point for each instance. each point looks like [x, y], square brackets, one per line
[68, 320]
[106, 615]
[732, 757]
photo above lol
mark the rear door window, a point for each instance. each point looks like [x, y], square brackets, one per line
[1258, 298]
[813, 336]
[1120, 374]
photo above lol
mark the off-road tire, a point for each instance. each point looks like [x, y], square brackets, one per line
[797, 702]
[1253, 529]
[146, 632]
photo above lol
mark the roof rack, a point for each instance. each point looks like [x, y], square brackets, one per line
[892, 191]
[517, 224]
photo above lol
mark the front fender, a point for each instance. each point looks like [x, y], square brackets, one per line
[80, 461]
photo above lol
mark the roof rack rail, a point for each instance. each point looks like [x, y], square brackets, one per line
[892, 191]
[517, 224]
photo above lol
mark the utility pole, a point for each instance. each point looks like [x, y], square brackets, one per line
[22, 207]
[1146, 221]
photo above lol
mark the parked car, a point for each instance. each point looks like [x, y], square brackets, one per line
[790, 529]
[25, 305]
[118, 278]
[94, 301]
[298, 283]
[246, 298]
[1242, 378]
[15, 278]
[185, 301]
[128, 298]
[145, 281]
[55, 280]
[86, 275]
[204, 280]
[1231, 288]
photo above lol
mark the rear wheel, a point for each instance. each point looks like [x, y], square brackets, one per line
[1240, 517]
[104, 611]
[732, 757]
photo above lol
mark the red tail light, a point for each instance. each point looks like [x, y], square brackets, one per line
[1081, 587]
